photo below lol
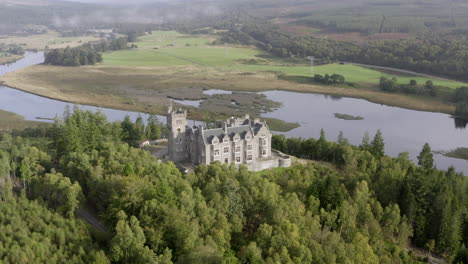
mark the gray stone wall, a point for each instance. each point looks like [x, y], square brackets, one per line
[254, 150]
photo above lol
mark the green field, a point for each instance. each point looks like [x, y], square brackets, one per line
[169, 48]
[352, 73]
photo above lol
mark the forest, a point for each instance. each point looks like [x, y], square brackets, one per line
[458, 96]
[431, 53]
[351, 204]
[461, 100]
[87, 54]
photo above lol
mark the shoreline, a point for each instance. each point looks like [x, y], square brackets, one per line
[280, 125]
[10, 59]
[377, 97]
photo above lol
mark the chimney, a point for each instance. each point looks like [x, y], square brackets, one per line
[232, 122]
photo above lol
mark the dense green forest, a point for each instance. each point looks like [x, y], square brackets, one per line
[383, 16]
[87, 54]
[429, 53]
[353, 205]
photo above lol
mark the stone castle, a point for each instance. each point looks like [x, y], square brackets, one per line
[236, 140]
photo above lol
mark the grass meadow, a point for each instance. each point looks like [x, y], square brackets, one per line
[51, 39]
[169, 48]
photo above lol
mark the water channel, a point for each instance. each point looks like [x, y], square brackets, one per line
[404, 130]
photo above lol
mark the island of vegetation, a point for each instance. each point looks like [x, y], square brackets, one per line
[348, 117]
[459, 153]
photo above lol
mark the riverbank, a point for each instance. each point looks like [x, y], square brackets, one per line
[146, 88]
[10, 59]
[10, 121]
[459, 153]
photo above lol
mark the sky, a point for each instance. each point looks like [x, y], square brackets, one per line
[115, 1]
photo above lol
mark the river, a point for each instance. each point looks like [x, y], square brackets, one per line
[404, 130]
[31, 106]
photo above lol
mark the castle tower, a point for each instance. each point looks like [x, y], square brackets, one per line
[176, 123]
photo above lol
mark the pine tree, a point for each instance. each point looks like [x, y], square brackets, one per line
[425, 158]
[128, 245]
[342, 140]
[365, 144]
[378, 145]
[322, 135]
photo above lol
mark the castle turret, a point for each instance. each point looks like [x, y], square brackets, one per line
[176, 123]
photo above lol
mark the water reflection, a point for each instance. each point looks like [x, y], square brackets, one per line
[333, 97]
[216, 91]
[404, 130]
[195, 103]
[460, 123]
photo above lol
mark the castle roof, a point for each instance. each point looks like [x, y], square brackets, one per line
[210, 134]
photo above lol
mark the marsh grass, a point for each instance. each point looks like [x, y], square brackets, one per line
[10, 121]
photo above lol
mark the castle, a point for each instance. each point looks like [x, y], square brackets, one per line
[236, 140]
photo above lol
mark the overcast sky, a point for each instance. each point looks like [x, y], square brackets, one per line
[115, 1]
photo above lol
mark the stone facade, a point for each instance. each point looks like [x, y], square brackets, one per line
[236, 140]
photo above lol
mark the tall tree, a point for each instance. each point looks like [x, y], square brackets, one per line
[128, 245]
[378, 145]
[366, 142]
[425, 158]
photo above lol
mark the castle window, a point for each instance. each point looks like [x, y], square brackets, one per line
[249, 157]
[264, 142]
[249, 147]
[226, 150]
[226, 140]
[237, 149]
[262, 135]
[264, 152]
[238, 159]
[216, 152]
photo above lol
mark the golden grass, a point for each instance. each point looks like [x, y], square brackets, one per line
[144, 88]
[10, 121]
[52, 39]
[9, 59]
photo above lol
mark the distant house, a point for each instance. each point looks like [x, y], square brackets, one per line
[236, 140]
[144, 143]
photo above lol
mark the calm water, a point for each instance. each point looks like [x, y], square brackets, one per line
[216, 91]
[32, 106]
[404, 130]
[195, 103]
